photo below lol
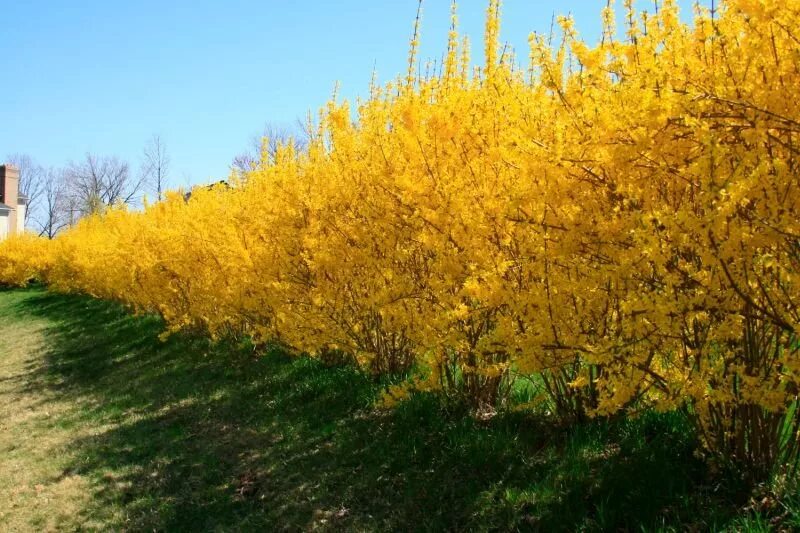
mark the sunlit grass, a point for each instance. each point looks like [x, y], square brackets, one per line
[104, 426]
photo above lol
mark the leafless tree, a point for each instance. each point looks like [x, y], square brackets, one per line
[307, 128]
[155, 165]
[53, 212]
[274, 136]
[31, 180]
[98, 182]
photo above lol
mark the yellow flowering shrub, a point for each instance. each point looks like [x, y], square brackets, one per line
[23, 259]
[617, 222]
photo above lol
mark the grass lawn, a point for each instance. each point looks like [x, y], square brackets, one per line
[103, 426]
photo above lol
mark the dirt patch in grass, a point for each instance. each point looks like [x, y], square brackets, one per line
[37, 489]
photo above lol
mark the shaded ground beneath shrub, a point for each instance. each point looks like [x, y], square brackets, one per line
[103, 426]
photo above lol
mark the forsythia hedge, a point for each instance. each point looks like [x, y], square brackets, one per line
[617, 223]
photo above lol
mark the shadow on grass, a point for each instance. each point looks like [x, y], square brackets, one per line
[192, 436]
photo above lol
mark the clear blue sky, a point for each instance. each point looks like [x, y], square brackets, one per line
[103, 76]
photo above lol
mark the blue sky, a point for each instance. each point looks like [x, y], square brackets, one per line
[104, 76]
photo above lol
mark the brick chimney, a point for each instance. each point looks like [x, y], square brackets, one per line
[9, 193]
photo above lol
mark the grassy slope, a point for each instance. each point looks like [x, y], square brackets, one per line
[104, 426]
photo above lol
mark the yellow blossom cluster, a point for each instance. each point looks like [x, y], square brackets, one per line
[22, 258]
[618, 222]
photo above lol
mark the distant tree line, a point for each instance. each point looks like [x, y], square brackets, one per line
[60, 196]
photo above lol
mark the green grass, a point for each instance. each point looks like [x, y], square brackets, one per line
[123, 431]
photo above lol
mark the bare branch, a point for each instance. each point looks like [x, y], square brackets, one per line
[99, 182]
[274, 136]
[31, 180]
[155, 165]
